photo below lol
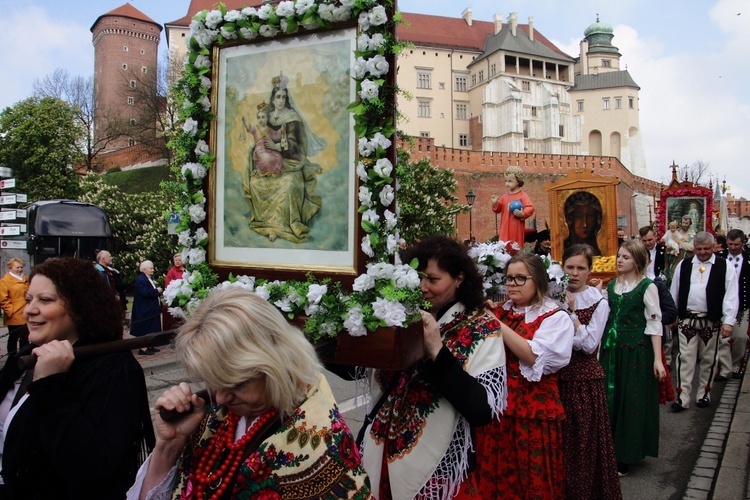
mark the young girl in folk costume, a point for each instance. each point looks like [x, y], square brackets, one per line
[514, 207]
[522, 453]
[267, 161]
[631, 358]
[589, 455]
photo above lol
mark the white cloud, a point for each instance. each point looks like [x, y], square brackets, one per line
[29, 55]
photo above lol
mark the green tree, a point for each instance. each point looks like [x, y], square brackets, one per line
[38, 139]
[138, 224]
[425, 198]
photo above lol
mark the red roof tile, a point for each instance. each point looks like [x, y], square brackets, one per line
[423, 29]
[127, 10]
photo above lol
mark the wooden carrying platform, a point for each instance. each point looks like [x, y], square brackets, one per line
[387, 348]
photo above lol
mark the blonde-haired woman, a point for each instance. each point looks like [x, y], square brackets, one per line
[274, 429]
[13, 288]
[631, 358]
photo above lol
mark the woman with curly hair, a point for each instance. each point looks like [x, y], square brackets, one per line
[74, 428]
[422, 440]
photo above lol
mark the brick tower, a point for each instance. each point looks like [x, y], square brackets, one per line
[126, 47]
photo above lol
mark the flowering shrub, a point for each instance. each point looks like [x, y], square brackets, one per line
[392, 296]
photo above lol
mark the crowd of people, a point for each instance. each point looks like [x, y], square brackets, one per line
[527, 398]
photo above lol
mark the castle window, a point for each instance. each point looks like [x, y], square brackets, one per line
[481, 76]
[473, 80]
[562, 131]
[143, 51]
[423, 80]
[460, 84]
[144, 70]
[124, 66]
[618, 102]
[493, 69]
[526, 129]
[533, 111]
[630, 102]
[605, 104]
[441, 85]
[424, 109]
[424, 134]
[606, 63]
[131, 142]
[462, 111]
[124, 48]
[463, 140]
[525, 86]
[131, 100]
[132, 84]
[580, 105]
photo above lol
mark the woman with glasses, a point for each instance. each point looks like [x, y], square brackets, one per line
[632, 358]
[421, 443]
[589, 455]
[522, 452]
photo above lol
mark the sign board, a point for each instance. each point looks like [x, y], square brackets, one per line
[21, 226]
[22, 198]
[6, 172]
[7, 199]
[8, 215]
[21, 213]
[10, 230]
[7, 184]
[20, 244]
[172, 222]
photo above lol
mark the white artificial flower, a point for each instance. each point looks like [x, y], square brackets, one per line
[386, 195]
[555, 272]
[367, 247]
[228, 34]
[365, 196]
[190, 127]
[383, 167]
[201, 236]
[249, 11]
[248, 34]
[206, 38]
[381, 141]
[196, 26]
[233, 16]
[177, 313]
[197, 214]
[205, 82]
[309, 24]
[391, 243]
[341, 14]
[366, 148]
[206, 103]
[196, 256]
[170, 293]
[285, 304]
[380, 270]
[360, 68]
[268, 31]
[303, 6]
[184, 239]
[406, 277]
[202, 61]
[370, 90]
[363, 282]
[213, 19]
[370, 216]
[376, 41]
[362, 171]
[325, 11]
[354, 322]
[314, 295]
[265, 11]
[390, 311]
[390, 220]
[201, 149]
[262, 292]
[364, 21]
[363, 43]
[377, 65]
[347, 3]
[377, 16]
[285, 8]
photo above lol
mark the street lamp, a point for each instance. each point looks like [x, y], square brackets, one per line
[470, 197]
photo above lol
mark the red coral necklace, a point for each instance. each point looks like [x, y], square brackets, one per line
[219, 480]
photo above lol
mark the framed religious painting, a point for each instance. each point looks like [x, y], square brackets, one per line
[283, 193]
[584, 210]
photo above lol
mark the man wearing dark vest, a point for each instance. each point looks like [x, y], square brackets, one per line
[705, 290]
[732, 353]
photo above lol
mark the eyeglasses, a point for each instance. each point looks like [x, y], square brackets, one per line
[517, 280]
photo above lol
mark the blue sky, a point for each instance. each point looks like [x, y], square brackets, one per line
[689, 57]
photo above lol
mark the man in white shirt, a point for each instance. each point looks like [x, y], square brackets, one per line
[731, 353]
[703, 318]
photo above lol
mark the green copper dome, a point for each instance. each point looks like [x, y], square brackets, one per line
[599, 28]
[599, 35]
